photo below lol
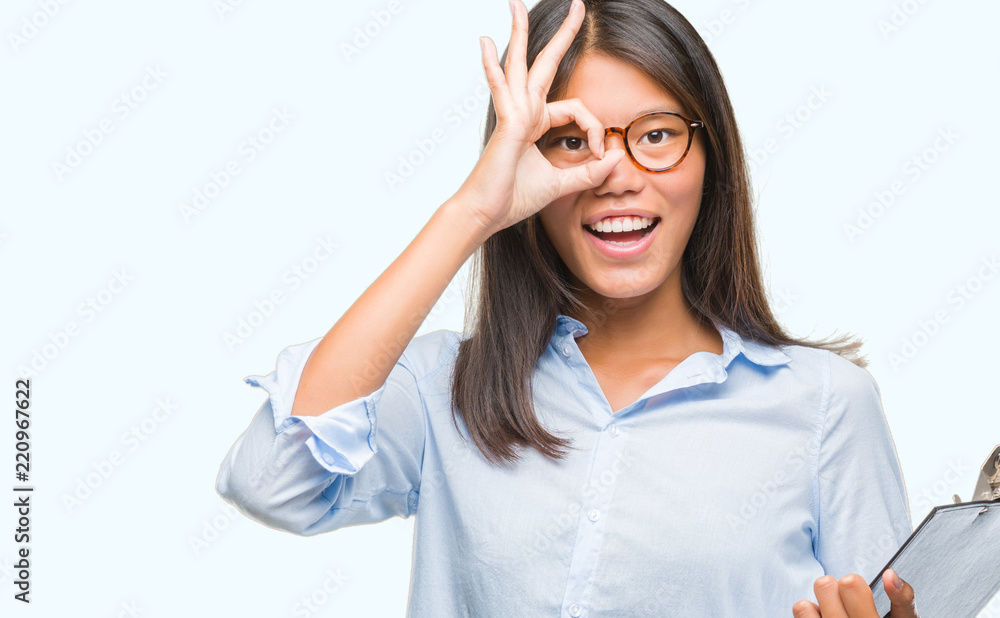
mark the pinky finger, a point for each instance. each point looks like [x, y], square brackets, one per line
[495, 76]
[805, 609]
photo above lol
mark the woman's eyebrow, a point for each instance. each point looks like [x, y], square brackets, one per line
[657, 108]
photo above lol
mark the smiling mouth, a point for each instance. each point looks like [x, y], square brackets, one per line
[623, 238]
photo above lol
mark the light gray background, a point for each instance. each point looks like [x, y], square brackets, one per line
[221, 76]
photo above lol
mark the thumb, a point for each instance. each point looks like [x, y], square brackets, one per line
[580, 177]
[900, 595]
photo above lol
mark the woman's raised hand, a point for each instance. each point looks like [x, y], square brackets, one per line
[512, 180]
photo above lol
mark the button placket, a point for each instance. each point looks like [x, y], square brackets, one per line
[595, 504]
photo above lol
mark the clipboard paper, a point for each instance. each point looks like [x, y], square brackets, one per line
[952, 560]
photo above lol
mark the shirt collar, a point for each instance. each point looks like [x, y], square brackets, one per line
[732, 343]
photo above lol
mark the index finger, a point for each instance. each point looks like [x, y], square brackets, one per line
[857, 597]
[827, 590]
[543, 70]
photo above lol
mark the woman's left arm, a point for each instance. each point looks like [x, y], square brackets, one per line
[861, 511]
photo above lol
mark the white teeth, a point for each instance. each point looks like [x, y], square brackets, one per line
[621, 224]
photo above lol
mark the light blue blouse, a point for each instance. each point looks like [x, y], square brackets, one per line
[724, 490]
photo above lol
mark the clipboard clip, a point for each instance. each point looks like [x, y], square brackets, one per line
[988, 485]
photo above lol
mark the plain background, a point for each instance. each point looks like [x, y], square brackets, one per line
[154, 534]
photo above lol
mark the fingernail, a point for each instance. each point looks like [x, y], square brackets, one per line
[897, 582]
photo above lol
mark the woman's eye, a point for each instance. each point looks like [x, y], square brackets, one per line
[572, 143]
[657, 137]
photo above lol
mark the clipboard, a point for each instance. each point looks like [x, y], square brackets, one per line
[952, 559]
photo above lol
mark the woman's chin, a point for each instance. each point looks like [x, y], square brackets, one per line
[622, 285]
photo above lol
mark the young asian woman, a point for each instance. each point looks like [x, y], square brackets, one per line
[624, 428]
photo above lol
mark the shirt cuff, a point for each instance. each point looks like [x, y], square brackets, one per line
[342, 439]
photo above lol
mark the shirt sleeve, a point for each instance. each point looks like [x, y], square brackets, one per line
[356, 463]
[862, 511]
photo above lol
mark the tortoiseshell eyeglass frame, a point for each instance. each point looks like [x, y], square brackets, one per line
[692, 127]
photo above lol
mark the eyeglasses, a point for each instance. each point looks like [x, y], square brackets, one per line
[656, 142]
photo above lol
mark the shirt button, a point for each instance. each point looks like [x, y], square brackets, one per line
[575, 610]
[328, 458]
[613, 430]
[566, 350]
[594, 515]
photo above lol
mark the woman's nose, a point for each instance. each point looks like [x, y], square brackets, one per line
[624, 177]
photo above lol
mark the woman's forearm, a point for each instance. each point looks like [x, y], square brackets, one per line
[357, 354]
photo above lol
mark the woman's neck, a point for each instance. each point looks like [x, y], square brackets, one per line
[660, 325]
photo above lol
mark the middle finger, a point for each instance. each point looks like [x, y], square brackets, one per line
[828, 597]
[543, 69]
[515, 66]
[857, 597]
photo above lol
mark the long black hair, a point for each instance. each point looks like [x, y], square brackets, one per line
[521, 284]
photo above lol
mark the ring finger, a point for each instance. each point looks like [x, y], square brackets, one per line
[515, 66]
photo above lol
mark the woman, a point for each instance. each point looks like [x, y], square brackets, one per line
[625, 429]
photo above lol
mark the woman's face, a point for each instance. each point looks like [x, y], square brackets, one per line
[617, 93]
